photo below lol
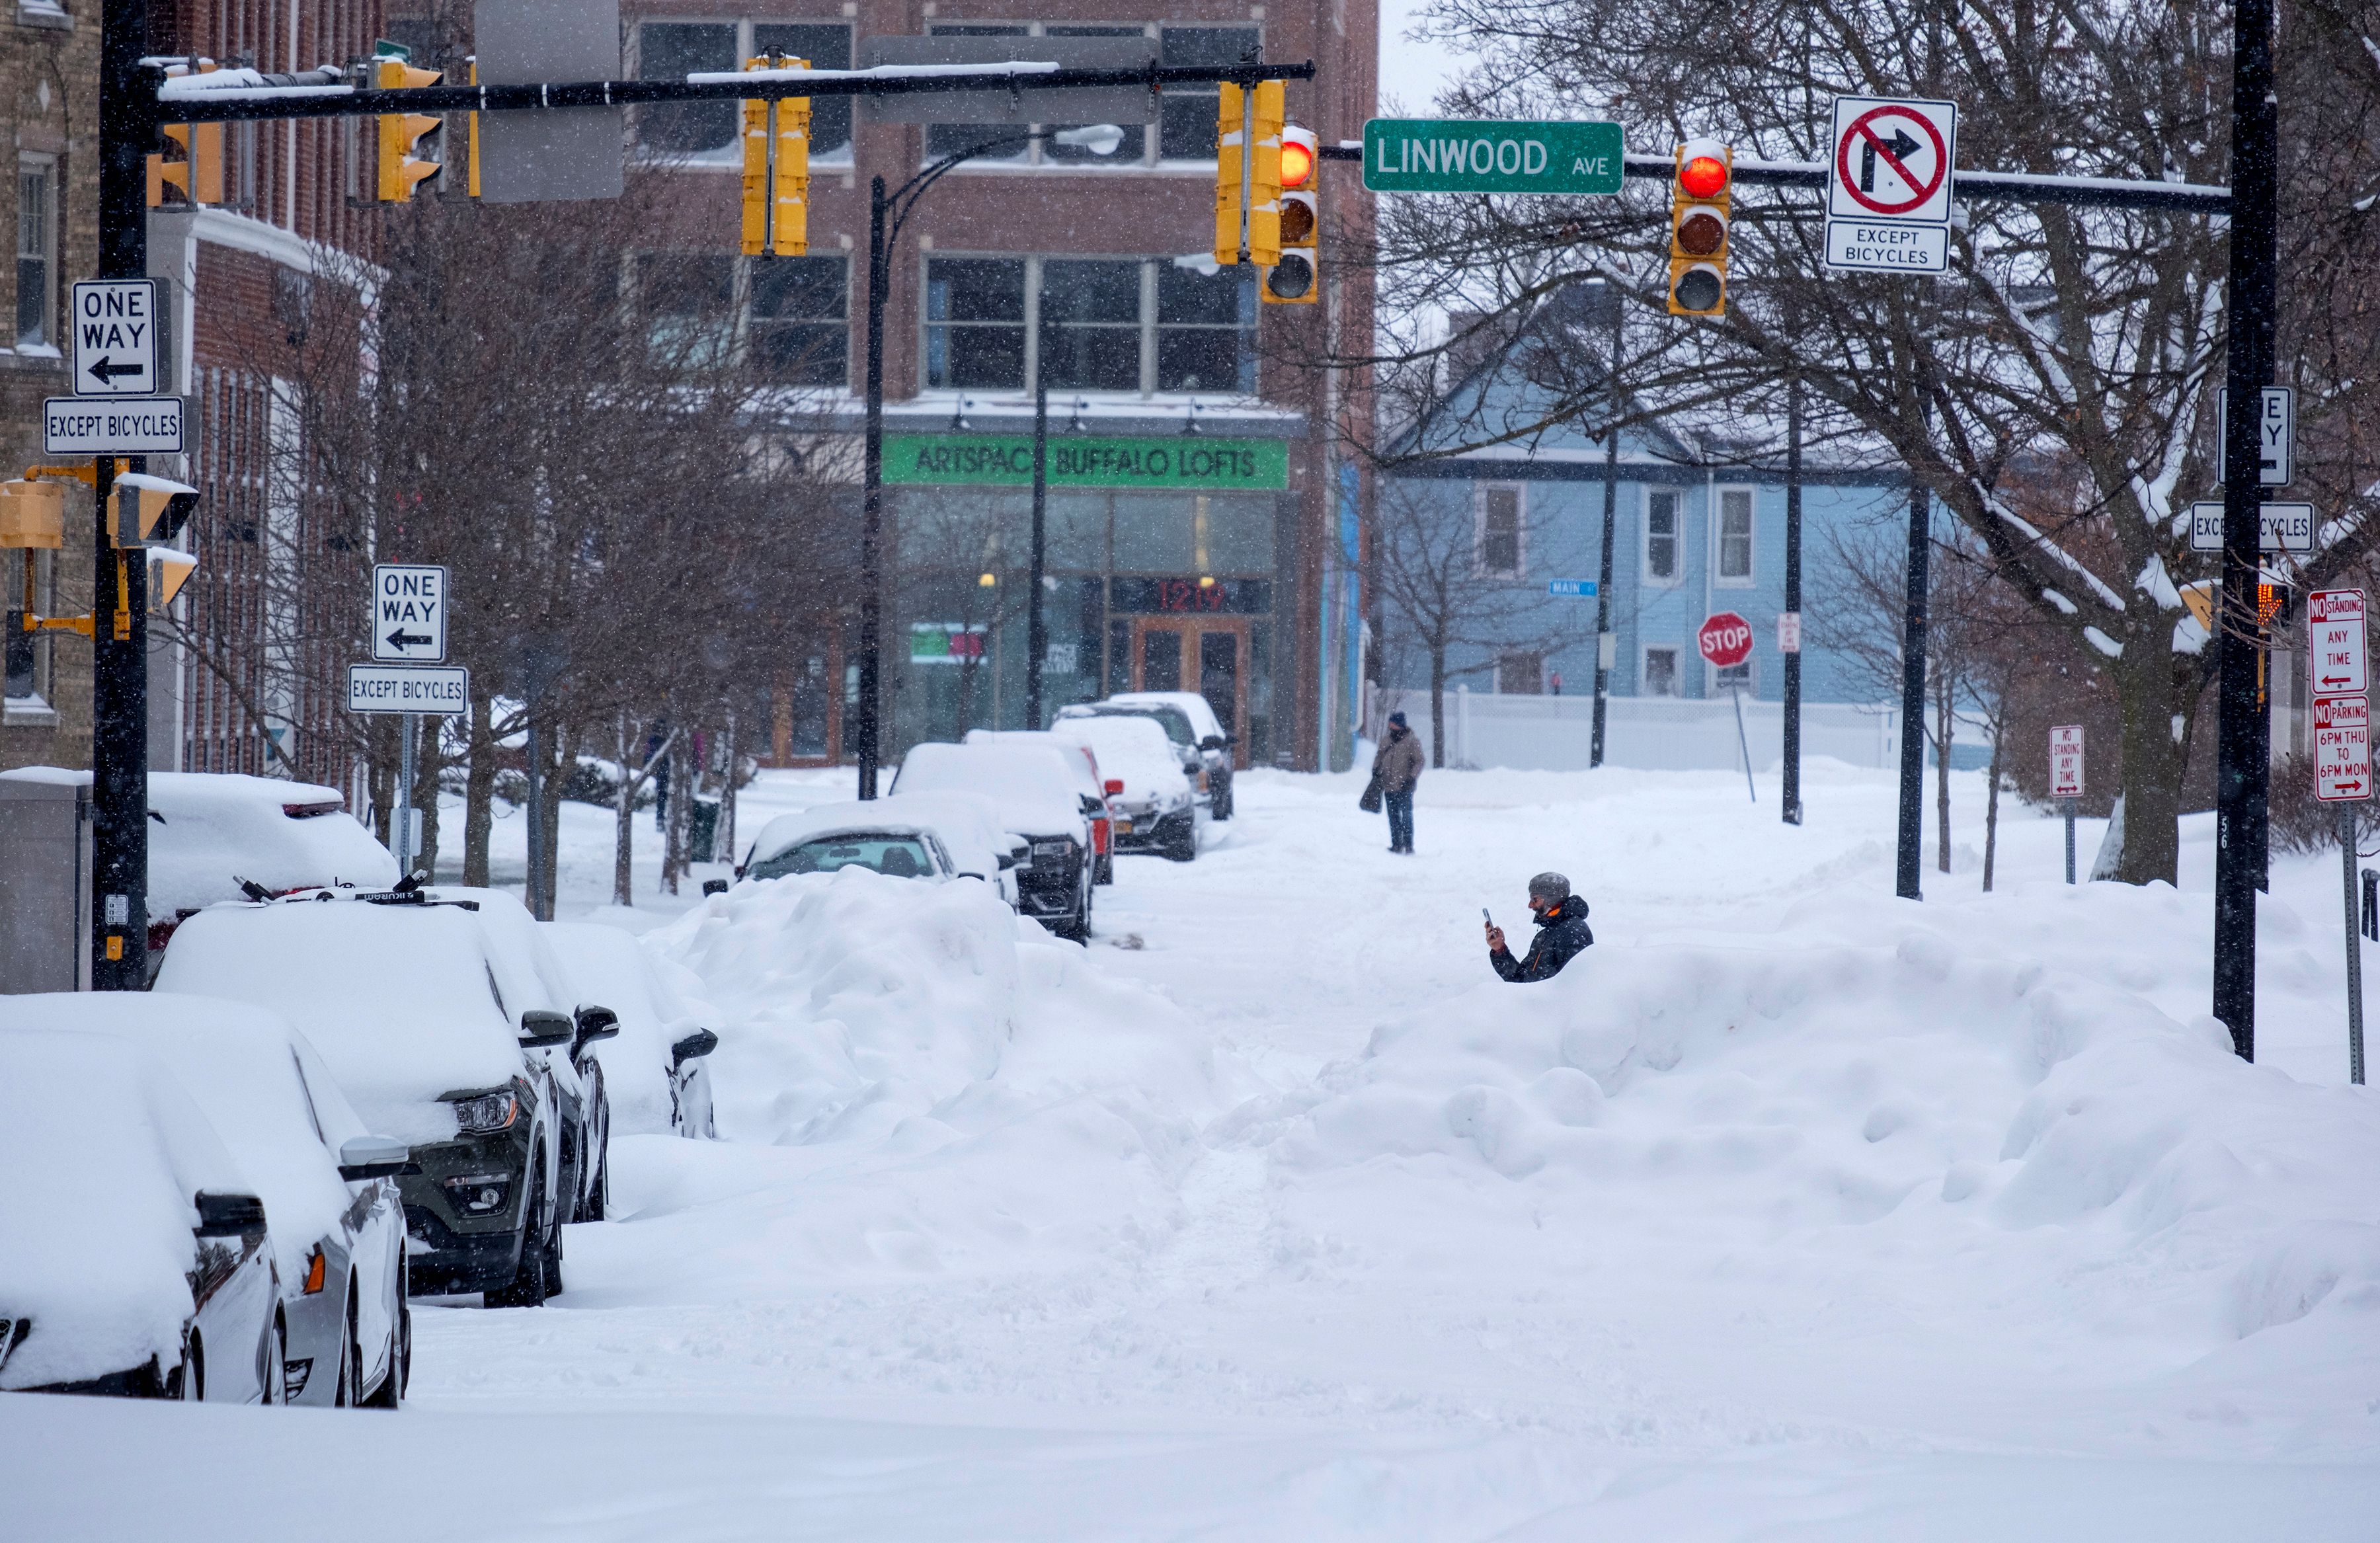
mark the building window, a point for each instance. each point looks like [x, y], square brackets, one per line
[1186, 129]
[1660, 672]
[1499, 537]
[671, 51]
[37, 234]
[690, 306]
[1660, 536]
[1205, 330]
[801, 332]
[826, 46]
[1092, 324]
[1521, 674]
[974, 322]
[1735, 535]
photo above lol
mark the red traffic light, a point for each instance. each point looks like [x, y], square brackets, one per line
[1296, 161]
[1703, 174]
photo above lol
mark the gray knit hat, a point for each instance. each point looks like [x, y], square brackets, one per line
[1550, 888]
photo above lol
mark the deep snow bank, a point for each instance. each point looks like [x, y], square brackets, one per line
[1909, 1095]
[963, 1083]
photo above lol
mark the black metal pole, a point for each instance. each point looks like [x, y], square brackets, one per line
[1912, 697]
[119, 695]
[2240, 774]
[1792, 789]
[1035, 636]
[1603, 642]
[871, 519]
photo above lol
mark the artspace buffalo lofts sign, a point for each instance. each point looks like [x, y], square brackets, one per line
[1080, 461]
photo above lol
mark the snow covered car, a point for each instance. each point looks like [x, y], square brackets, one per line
[134, 1256]
[826, 837]
[971, 831]
[399, 995]
[656, 1073]
[329, 1185]
[1156, 810]
[1096, 787]
[1199, 737]
[528, 976]
[1035, 793]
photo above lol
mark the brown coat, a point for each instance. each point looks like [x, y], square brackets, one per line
[1397, 762]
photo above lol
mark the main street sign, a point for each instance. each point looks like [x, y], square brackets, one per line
[111, 426]
[1467, 155]
[408, 613]
[1572, 589]
[1889, 185]
[114, 330]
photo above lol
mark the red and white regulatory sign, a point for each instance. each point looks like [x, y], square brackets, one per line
[1892, 159]
[1725, 639]
[2334, 640]
[2342, 749]
[2066, 761]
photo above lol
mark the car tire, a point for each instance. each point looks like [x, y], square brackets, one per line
[348, 1391]
[391, 1391]
[554, 1263]
[272, 1378]
[1184, 848]
[187, 1382]
[528, 1289]
[599, 1193]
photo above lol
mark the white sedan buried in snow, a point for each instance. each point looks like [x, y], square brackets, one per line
[133, 1258]
[329, 1187]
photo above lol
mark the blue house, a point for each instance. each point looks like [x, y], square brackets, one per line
[1699, 528]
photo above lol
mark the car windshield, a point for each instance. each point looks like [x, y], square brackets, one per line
[1175, 723]
[902, 856]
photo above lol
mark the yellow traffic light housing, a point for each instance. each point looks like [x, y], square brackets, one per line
[197, 171]
[1295, 277]
[1699, 216]
[1247, 173]
[409, 148]
[32, 515]
[143, 508]
[168, 571]
[776, 169]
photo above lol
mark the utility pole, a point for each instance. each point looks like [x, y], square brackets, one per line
[871, 501]
[1912, 696]
[119, 599]
[1792, 788]
[1604, 650]
[1037, 638]
[2240, 772]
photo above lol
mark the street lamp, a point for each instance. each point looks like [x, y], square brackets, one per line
[887, 212]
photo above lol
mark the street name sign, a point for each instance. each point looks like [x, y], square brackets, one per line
[2066, 761]
[2342, 749]
[1467, 155]
[2277, 435]
[1576, 588]
[1725, 639]
[2280, 527]
[408, 613]
[111, 426]
[114, 331]
[2335, 651]
[1889, 185]
[437, 689]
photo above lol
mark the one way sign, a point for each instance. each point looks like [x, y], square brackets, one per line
[116, 337]
[408, 621]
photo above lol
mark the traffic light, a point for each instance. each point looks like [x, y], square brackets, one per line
[776, 169]
[168, 571]
[409, 141]
[143, 508]
[1297, 278]
[1698, 228]
[1247, 183]
[197, 170]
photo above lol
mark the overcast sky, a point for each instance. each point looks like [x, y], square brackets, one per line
[1410, 74]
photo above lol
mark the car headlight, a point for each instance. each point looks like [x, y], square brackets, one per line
[490, 1111]
[478, 1194]
[1055, 850]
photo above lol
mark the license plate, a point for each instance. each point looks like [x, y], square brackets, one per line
[1124, 827]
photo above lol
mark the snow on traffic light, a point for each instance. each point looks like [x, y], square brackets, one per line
[1698, 228]
[409, 141]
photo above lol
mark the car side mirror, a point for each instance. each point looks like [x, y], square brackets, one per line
[229, 1215]
[539, 1029]
[1212, 742]
[701, 1043]
[594, 1023]
[374, 1157]
[1007, 861]
[717, 886]
[1114, 786]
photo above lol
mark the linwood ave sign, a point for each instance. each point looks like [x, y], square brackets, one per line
[1461, 155]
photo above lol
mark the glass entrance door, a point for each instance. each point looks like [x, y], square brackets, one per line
[1206, 654]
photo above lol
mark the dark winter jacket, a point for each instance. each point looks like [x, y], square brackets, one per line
[1561, 936]
[1398, 761]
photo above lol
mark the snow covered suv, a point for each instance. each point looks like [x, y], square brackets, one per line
[1034, 791]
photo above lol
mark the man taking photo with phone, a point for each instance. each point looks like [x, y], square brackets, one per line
[1561, 933]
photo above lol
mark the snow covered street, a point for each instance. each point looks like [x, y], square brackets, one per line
[1788, 1211]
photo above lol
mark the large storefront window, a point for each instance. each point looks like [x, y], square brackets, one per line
[1106, 324]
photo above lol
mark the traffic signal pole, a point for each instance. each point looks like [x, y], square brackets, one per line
[871, 498]
[1911, 835]
[1603, 641]
[1791, 792]
[2240, 772]
[119, 679]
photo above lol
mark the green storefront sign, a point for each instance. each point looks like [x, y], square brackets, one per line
[1466, 155]
[1083, 461]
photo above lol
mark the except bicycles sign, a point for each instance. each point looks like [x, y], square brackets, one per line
[1462, 155]
[1888, 187]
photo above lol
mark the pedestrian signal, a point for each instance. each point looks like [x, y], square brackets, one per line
[409, 141]
[776, 169]
[1297, 278]
[1698, 228]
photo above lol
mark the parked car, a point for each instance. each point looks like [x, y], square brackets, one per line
[1096, 787]
[1035, 793]
[1156, 810]
[135, 1257]
[656, 1073]
[328, 1183]
[828, 837]
[1191, 724]
[531, 980]
[400, 996]
[971, 831]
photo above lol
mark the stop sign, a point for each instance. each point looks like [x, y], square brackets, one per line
[1725, 639]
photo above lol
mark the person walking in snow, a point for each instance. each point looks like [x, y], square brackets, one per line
[1396, 767]
[1562, 932]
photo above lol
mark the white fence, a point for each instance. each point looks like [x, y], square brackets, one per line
[1660, 734]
